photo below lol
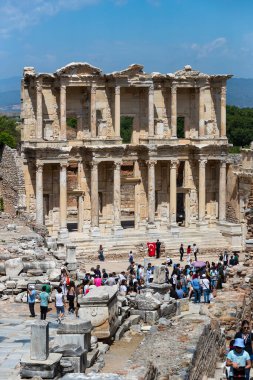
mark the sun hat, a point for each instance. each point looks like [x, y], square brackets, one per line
[239, 342]
[203, 276]
[31, 287]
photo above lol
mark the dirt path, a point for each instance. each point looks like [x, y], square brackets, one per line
[120, 352]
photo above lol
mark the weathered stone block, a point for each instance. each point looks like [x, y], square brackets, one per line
[39, 340]
[69, 326]
[13, 267]
[159, 274]
[147, 302]
[47, 369]
[151, 316]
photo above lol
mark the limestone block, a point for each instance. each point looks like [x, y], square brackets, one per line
[70, 326]
[2, 287]
[13, 267]
[70, 253]
[82, 340]
[54, 274]
[75, 354]
[168, 310]
[91, 357]
[92, 376]
[152, 316]
[39, 340]
[47, 369]
[147, 302]
[159, 274]
[160, 288]
[10, 284]
[184, 304]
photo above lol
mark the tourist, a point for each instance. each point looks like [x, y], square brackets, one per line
[59, 304]
[213, 276]
[196, 288]
[97, 271]
[71, 297]
[158, 248]
[97, 281]
[184, 284]
[122, 276]
[44, 297]
[131, 257]
[79, 291]
[101, 256]
[225, 258]
[188, 252]
[169, 261]
[179, 291]
[111, 280]
[139, 272]
[181, 251]
[123, 288]
[149, 274]
[31, 299]
[236, 258]
[195, 251]
[173, 293]
[205, 285]
[141, 285]
[231, 261]
[86, 287]
[238, 360]
[104, 276]
[247, 336]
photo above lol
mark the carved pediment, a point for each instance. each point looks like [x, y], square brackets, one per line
[130, 71]
[79, 68]
[187, 72]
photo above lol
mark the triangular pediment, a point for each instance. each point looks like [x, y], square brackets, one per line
[131, 71]
[79, 68]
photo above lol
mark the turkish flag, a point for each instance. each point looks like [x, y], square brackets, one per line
[151, 249]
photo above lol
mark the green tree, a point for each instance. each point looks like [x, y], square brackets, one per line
[9, 133]
[126, 129]
[239, 125]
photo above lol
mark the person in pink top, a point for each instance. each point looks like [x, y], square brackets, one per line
[97, 281]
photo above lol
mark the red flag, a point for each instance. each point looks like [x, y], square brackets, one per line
[151, 249]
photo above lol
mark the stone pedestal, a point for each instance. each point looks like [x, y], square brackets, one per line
[71, 257]
[159, 276]
[74, 332]
[100, 307]
[39, 340]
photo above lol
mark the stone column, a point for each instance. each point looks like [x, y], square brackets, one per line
[201, 112]
[174, 111]
[151, 191]
[222, 192]
[39, 127]
[117, 196]
[117, 112]
[39, 349]
[63, 200]
[39, 193]
[80, 213]
[202, 190]
[63, 121]
[93, 118]
[79, 175]
[151, 111]
[94, 196]
[223, 112]
[173, 191]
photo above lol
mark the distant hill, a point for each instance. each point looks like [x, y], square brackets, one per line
[239, 93]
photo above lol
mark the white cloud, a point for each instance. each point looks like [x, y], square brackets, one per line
[206, 49]
[17, 15]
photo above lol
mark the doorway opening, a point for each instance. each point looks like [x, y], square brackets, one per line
[181, 209]
[126, 129]
[181, 127]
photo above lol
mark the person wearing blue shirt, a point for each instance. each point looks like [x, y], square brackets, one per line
[239, 361]
[196, 288]
[31, 299]
[44, 296]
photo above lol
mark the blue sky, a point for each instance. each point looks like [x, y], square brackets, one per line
[214, 36]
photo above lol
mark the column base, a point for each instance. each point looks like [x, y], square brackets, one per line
[203, 225]
[94, 231]
[151, 226]
[117, 230]
[63, 233]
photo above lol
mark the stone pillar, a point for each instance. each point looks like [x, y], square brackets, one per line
[39, 193]
[222, 192]
[201, 112]
[39, 127]
[173, 191]
[63, 121]
[151, 111]
[39, 340]
[71, 257]
[117, 112]
[93, 118]
[151, 191]
[116, 196]
[174, 111]
[202, 190]
[63, 200]
[80, 213]
[94, 197]
[223, 112]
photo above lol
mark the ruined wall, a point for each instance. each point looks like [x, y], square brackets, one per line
[12, 185]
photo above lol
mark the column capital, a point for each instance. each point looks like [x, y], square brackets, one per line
[93, 88]
[174, 164]
[38, 85]
[174, 88]
[151, 89]
[223, 163]
[39, 166]
[117, 90]
[117, 165]
[202, 162]
[151, 162]
[63, 165]
[94, 165]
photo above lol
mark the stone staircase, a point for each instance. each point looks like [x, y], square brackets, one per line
[117, 248]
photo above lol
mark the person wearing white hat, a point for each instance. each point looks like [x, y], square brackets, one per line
[239, 361]
[205, 284]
